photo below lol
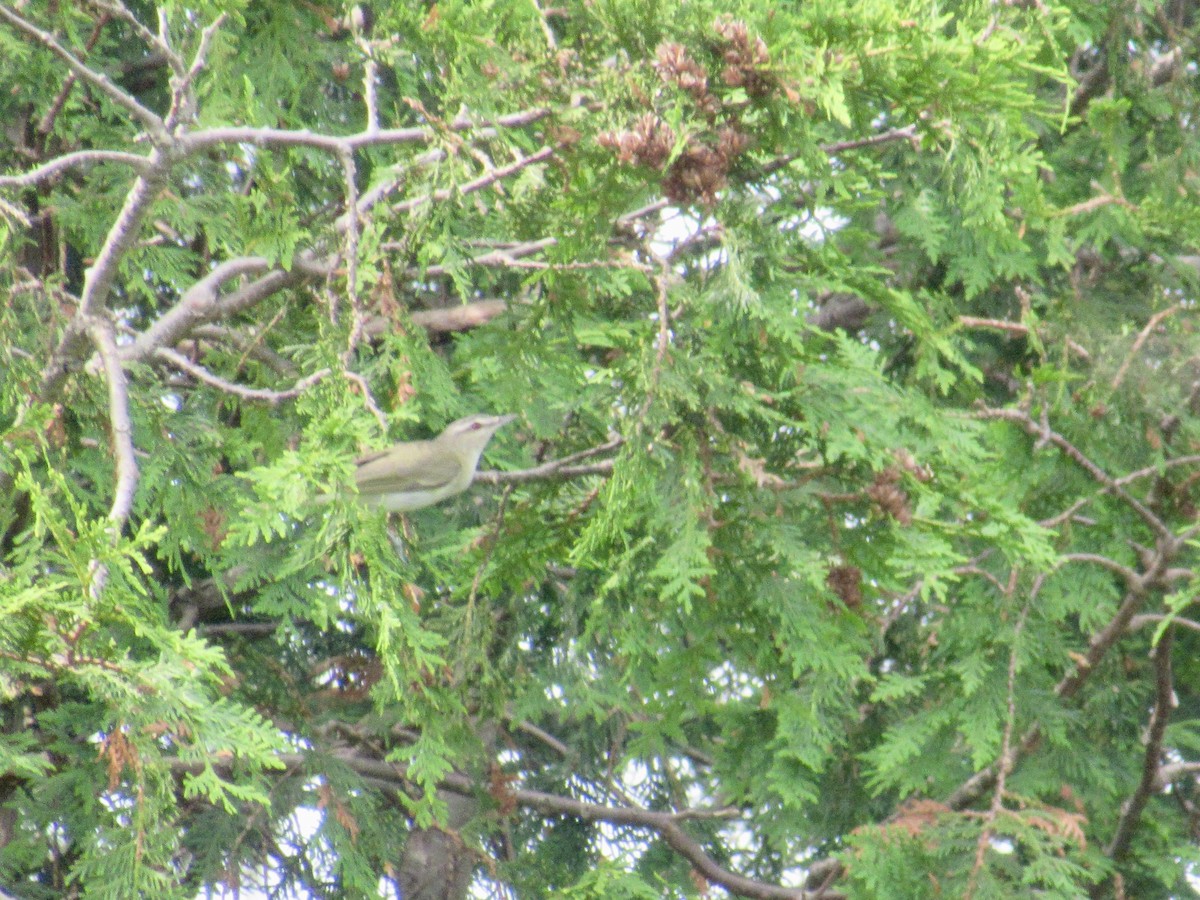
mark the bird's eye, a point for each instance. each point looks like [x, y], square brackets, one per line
[475, 426]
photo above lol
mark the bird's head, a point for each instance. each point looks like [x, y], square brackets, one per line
[471, 434]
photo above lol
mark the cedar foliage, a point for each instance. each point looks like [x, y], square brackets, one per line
[846, 544]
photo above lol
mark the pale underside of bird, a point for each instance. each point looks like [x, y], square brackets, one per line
[415, 474]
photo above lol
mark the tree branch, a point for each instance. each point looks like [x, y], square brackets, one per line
[477, 184]
[667, 824]
[69, 160]
[1153, 323]
[121, 425]
[558, 468]
[1041, 431]
[183, 100]
[279, 137]
[1164, 704]
[152, 123]
[197, 371]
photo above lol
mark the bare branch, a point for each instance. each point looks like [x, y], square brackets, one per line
[368, 399]
[1154, 322]
[15, 213]
[1085, 665]
[350, 253]
[1016, 328]
[496, 256]
[46, 123]
[667, 824]
[1151, 618]
[250, 346]
[98, 280]
[544, 472]
[478, 184]
[68, 160]
[452, 318]
[905, 133]
[181, 362]
[1037, 429]
[1129, 478]
[151, 122]
[149, 38]
[183, 100]
[557, 468]
[1008, 758]
[1165, 703]
[101, 333]
[203, 303]
[1130, 577]
[194, 307]
[278, 137]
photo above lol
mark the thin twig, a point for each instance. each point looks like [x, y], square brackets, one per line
[1152, 618]
[667, 824]
[1004, 765]
[46, 122]
[200, 373]
[15, 213]
[542, 20]
[1043, 432]
[477, 184]
[1085, 666]
[350, 253]
[1129, 478]
[555, 469]
[1017, 328]
[1127, 574]
[544, 473]
[368, 400]
[905, 133]
[250, 346]
[154, 41]
[183, 99]
[1141, 339]
[121, 427]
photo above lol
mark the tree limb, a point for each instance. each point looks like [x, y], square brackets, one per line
[154, 126]
[1164, 704]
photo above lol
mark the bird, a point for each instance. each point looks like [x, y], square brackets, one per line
[415, 474]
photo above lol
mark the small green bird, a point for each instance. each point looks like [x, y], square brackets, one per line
[415, 474]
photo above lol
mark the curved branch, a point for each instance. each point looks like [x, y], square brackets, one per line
[1164, 704]
[197, 371]
[154, 126]
[68, 160]
[1043, 432]
[1130, 577]
[202, 302]
[667, 824]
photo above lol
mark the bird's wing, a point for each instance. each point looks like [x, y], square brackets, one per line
[377, 474]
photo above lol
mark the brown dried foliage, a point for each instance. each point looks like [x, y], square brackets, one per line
[746, 58]
[846, 582]
[701, 169]
[890, 497]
